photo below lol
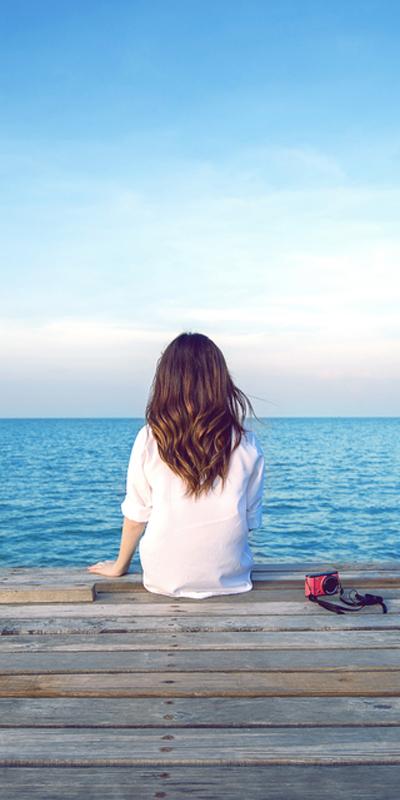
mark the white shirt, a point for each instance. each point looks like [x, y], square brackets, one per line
[195, 547]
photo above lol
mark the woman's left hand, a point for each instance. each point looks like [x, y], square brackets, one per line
[108, 568]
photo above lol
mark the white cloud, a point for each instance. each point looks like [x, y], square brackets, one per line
[296, 278]
[87, 368]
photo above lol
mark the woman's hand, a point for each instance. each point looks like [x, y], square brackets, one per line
[131, 533]
[110, 569]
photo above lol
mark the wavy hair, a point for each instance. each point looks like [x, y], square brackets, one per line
[193, 409]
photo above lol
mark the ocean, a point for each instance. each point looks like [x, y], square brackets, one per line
[331, 493]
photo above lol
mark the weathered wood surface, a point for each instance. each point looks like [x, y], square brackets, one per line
[381, 659]
[374, 639]
[206, 746]
[57, 585]
[254, 597]
[56, 594]
[194, 712]
[204, 608]
[262, 693]
[203, 684]
[191, 623]
[265, 782]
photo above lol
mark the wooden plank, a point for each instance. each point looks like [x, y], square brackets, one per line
[261, 782]
[63, 576]
[199, 607]
[54, 624]
[58, 594]
[203, 684]
[247, 599]
[20, 594]
[264, 593]
[265, 579]
[59, 577]
[206, 660]
[31, 594]
[367, 582]
[320, 566]
[112, 747]
[144, 712]
[203, 640]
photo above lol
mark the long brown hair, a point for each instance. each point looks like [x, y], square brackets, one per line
[193, 409]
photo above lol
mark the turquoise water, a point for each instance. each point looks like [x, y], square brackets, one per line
[331, 494]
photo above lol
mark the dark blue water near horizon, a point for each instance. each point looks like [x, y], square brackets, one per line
[331, 492]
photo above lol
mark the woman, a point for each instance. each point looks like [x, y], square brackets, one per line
[195, 479]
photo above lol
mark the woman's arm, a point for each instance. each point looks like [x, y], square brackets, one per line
[255, 490]
[131, 533]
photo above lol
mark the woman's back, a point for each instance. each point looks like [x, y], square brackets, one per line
[195, 546]
[195, 476]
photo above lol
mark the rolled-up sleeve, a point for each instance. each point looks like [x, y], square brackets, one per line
[255, 490]
[137, 504]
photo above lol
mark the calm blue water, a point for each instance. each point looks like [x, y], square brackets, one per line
[332, 489]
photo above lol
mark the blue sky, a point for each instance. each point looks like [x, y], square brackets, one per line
[227, 167]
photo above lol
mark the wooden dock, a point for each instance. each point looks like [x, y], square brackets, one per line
[109, 691]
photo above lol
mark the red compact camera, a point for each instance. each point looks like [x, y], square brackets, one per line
[322, 583]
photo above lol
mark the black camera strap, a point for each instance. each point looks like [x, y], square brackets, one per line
[353, 600]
